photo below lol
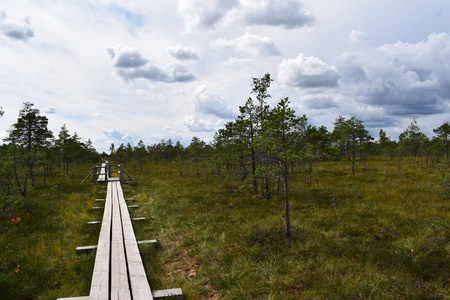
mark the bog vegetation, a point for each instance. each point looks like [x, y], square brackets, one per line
[273, 208]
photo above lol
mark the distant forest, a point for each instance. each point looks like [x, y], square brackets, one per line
[258, 149]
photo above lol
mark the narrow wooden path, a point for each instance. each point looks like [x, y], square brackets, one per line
[119, 271]
[118, 261]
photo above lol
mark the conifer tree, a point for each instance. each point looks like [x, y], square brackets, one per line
[281, 129]
[29, 138]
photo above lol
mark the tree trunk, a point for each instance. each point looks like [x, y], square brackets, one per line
[255, 180]
[286, 207]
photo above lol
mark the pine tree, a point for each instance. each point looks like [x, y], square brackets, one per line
[29, 137]
[280, 131]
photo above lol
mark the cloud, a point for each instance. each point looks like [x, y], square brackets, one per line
[118, 137]
[183, 53]
[15, 30]
[288, 14]
[403, 78]
[319, 101]
[212, 104]
[131, 65]
[355, 36]
[208, 14]
[307, 72]
[197, 125]
[204, 14]
[235, 62]
[124, 57]
[50, 110]
[250, 43]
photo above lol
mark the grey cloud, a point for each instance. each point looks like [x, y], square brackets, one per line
[150, 72]
[319, 102]
[307, 72]
[14, 30]
[289, 14]
[212, 104]
[124, 57]
[249, 43]
[405, 79]
[183, 53]
[131, 65]
[173, 73]
[179, 73]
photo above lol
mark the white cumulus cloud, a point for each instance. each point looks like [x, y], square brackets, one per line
[207, 14]
[402, 78]
[198, 125]
[250, 43]
[210, 103]
[204, 14]
[307, 72]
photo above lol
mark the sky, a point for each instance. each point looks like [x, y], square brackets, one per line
[123, 71]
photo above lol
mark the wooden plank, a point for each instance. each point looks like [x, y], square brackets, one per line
[94, 222]
[143, 242]
[140, 287]
[100, 277]
[85, 249]
[102, 173]
[120, 287]
[176, 293]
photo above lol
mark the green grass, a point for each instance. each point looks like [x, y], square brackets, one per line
[379, 234]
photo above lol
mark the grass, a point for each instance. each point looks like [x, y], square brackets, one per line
[376, 235]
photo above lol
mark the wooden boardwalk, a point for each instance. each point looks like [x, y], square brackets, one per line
[102, 175]
[119, 271]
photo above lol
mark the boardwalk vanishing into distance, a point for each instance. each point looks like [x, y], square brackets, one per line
[119, 271]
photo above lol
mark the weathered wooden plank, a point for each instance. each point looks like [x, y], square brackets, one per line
[102, 174]
[94, 222]
[100, 277]
[147, 242]
[85, 249]
[120, 287]
[118, 271]
[140, 287]
[177, 293]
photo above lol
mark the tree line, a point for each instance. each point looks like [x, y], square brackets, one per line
[31, 147]
[258, 150]
[263, 145]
